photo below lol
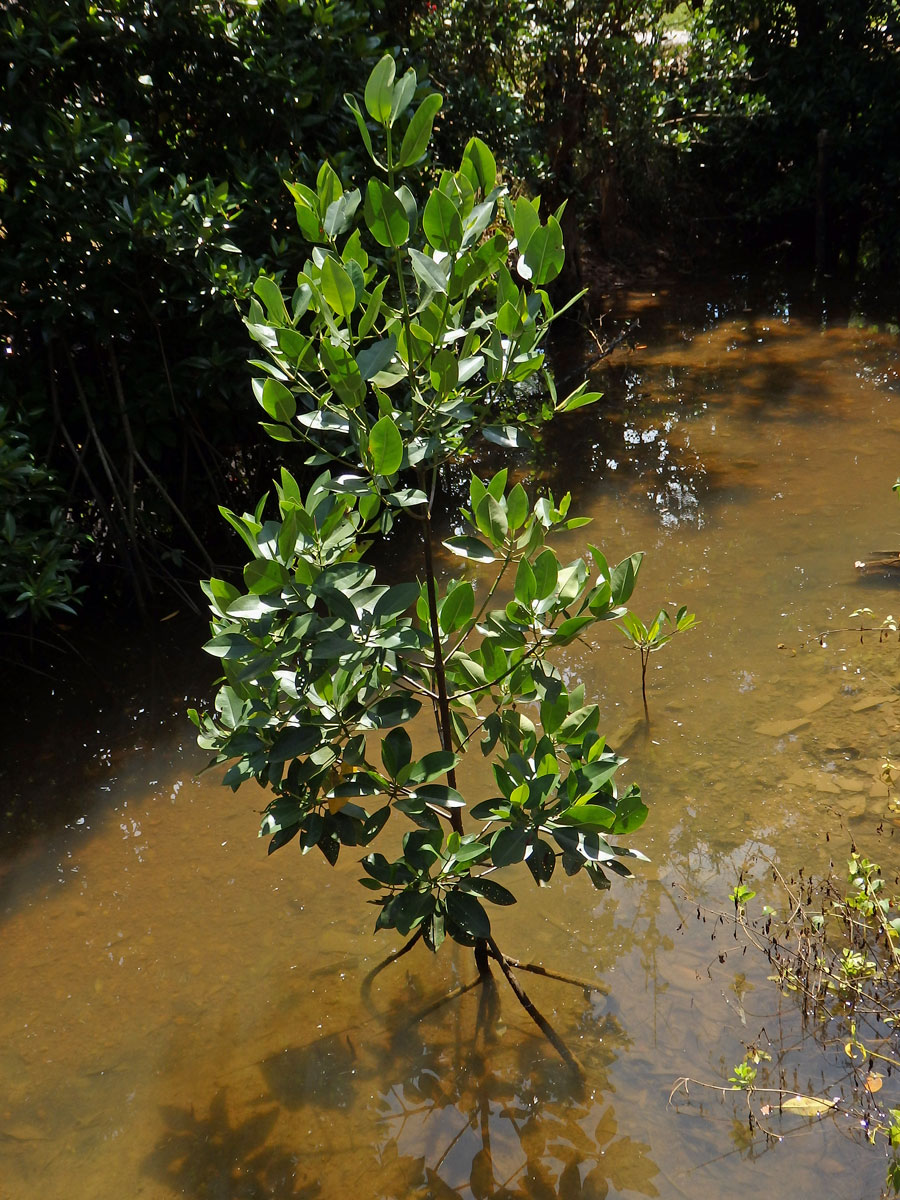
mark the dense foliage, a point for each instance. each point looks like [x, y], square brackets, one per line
[823, 134]
[142, 188]
[141, 191]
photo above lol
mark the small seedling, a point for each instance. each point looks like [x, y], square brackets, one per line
[650, 638]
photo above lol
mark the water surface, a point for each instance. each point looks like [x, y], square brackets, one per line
[182, 1016]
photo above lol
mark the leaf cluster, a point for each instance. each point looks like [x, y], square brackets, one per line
[406, 340]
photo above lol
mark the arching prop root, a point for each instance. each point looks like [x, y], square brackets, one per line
[485, 950]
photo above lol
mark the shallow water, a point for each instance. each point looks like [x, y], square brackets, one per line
[183, 1016]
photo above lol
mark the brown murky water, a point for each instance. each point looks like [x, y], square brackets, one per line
[183, 1017]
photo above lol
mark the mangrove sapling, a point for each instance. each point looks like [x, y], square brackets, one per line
[406, 341]
[649, 639]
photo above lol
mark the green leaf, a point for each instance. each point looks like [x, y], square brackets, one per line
[631, 813]
[429, 273]
[457, 608]
[379, 92]
[483, 161]
[294, 741]
[490, 517]
[579, 399]
[396, 751]
[570, 629]
[511, 436]
[337, 287]
[525, 220]
[404, 90]
[263, 575]
[465, 911]
[525, 589]
[472, 548]
[509, 845]
[543, 256]
[278, 401]
[442, 223]
[577, 724]
[340, 213]
[444, 372]
[623, 578]
[396, 600]
[376, 357]
[385, 447]
[517, 507]
[418, 132]
[488, 889]
[270, 294]
[541, 862]
[546, 574]
[394, 710]
[344, 376]
[353, 104]
[437, 763]
[385, 215]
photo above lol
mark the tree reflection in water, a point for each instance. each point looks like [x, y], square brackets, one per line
[493, 1116]
[429, 1100]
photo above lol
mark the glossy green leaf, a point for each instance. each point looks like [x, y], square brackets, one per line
[404, 90]
[264, 575]
[472, 548]
[525, 589]
[394, 710]
[429, 273]
[294, 741]
[543, 256]
[541, 862]
[278, 401]
[385, 447]
[442, 223]
[396, 751]
[464, 910]
[379, 92]
[353, 104]
[490, 517]
[337, 287]
[578, 723]
[270, 294]
[457, 608]
[385, 215]
[509, 846]
[483, 161]
[418, 132]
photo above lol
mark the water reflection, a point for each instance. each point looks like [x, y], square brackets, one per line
[213, 1156]
[180, 1016]
[460, 1104]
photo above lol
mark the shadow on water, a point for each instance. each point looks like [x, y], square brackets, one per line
[213, 1157]
[460, 1110]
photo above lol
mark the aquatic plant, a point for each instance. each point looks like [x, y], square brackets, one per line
[650, 638]
[406, 344]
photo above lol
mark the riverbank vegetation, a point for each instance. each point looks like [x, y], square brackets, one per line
[142, 194]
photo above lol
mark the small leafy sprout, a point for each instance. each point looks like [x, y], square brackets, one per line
[743, 1076]
[650, 638]
[740, 895]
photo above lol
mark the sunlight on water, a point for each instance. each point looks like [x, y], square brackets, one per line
[182, 1016]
